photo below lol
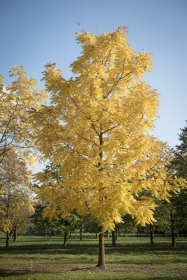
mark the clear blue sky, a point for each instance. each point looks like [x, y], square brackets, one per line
[35, 32]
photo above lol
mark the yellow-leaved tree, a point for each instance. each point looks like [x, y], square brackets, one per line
[17, 101]
[97, 127]
[15, 193]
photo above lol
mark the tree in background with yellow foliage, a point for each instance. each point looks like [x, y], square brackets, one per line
[97, 127]
[17, 100]
[15, 193]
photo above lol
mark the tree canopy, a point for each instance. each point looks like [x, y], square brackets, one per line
[15, 192]
[97, 127]
[17, 100]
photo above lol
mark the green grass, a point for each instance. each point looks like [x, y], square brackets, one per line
[33, 257]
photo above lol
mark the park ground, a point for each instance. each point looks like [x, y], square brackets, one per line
[35, 258]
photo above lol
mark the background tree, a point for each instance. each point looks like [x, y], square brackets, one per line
[179, 159]
[97, 128]
[69, 224]
[171, 215]
[15, 193]
[16, 101]
[129, 225]
[41, 218]
[43, 226]
[179, 200]
[90, 224]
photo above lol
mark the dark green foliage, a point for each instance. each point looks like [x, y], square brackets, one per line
[172, 215]
[179, 161]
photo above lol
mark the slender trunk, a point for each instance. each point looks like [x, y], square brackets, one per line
[50, 234]
[173, 237]
[107, 234]
[151, 234]
[113, 239]
[7, 239]
[45, 232]
[65, 239]
[101, 259]
[7, 233]
[178, 235]
[81, 234]
[15, 234]
[172, 229]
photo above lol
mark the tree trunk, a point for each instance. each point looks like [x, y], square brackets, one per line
[50, 234]
[107, 234]
[65, 239]
[178, 235]
[151, 234]
[15, 233]
[113, 239]
[172, 229]
[173, 237]
[80, 234]
[7, 239]
[101, 259]
[46, 233]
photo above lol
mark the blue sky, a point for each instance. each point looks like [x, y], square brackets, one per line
[35, 32]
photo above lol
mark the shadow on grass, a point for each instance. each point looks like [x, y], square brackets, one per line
[83, 273]
[156, 249]
[137, 249]
[8, 273]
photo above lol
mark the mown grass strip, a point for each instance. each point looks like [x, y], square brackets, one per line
[33, 257]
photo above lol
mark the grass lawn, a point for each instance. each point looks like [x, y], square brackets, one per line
[34, 257]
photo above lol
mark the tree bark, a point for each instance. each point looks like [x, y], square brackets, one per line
[50, 234]
[15, 233]
[107, 234]
[46, 233]
[113, 239]
[178, 235]
[80, 234]
[172, 229]
[173, 238]
[65, 239]
[101, 259]
[151, 233]
[7, 239]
